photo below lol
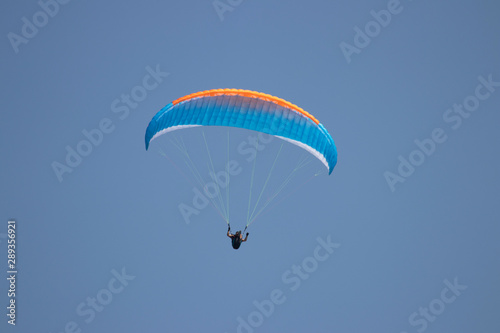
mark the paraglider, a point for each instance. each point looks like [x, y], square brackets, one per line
[247, 110]
[237, 238]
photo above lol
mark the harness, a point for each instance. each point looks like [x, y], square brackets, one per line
[236, 241]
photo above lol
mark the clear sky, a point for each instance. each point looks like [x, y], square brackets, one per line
[401, 237]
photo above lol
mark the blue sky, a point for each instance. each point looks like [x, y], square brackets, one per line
[410, 213]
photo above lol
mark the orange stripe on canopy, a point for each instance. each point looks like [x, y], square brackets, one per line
[247, 93]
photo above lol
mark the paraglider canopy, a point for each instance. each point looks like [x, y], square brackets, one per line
[250, 110]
